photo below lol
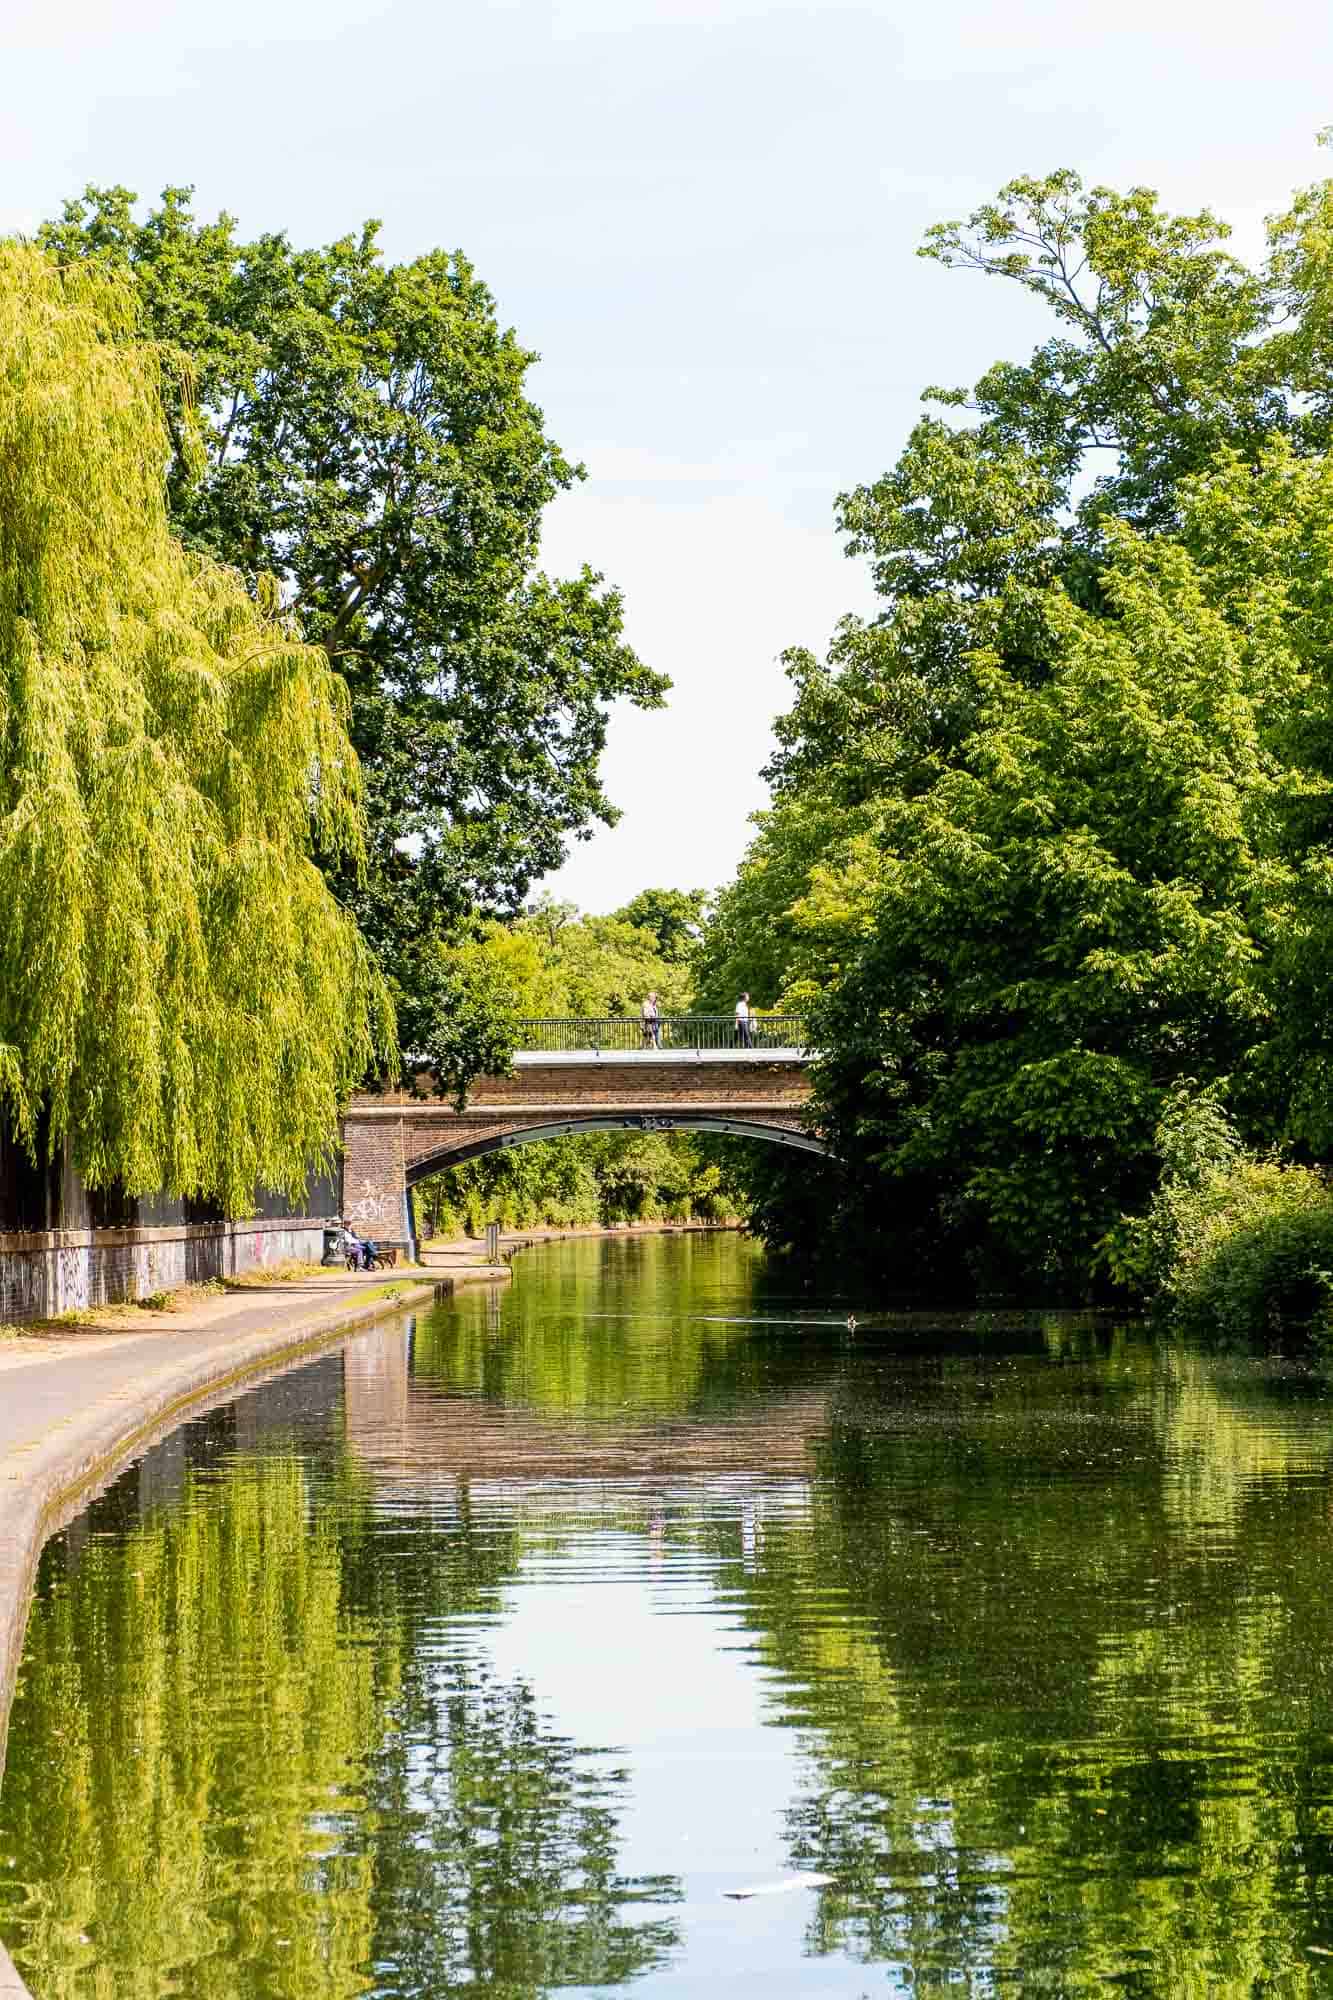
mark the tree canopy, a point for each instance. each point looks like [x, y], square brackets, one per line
[1051, 835]
[369, 441]
[181, 996]
[674, 916]
[548, 962]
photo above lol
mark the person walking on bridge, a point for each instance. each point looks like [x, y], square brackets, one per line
[652, 1022]
[744, 1036]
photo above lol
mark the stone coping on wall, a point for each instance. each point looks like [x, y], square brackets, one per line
[19, 1241]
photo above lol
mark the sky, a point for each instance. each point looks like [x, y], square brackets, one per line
[702, 214]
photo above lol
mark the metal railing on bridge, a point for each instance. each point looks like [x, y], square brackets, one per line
[670, 1031]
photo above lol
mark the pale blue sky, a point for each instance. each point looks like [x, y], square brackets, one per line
[703, 213]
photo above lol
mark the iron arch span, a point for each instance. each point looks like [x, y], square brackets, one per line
[571, 1128]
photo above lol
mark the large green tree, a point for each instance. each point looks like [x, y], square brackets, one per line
[1051, 833]
[182, 999]
[369, 441]
[1099, 899]
[674, 916]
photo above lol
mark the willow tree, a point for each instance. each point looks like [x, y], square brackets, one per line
[182, 1000]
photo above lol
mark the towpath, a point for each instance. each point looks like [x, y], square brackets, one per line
[61, 1389]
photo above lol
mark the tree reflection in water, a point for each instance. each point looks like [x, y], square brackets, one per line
[238, 1767]
[1037, 1629]
[1068, 1707]
[495, 1850]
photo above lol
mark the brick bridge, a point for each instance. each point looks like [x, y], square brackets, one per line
[393, 1139]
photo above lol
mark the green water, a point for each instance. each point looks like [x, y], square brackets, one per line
[489, 1654]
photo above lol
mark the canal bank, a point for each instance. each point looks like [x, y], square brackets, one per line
[76, 1405]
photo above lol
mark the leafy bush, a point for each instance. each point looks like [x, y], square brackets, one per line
[1231, 1244]
[1261, 1253]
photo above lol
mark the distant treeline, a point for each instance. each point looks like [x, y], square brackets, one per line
[607, 1177]
[552, 961]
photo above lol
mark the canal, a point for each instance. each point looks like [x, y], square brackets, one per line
[499, 1651]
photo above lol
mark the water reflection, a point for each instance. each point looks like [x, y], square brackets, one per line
[489, 1654]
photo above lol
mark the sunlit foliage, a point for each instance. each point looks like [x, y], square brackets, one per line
[369, 438]
[1052, 834]
[181, 997]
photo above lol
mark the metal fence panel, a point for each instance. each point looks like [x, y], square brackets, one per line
[627, 1033]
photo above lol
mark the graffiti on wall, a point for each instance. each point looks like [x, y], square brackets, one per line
[371, 1207]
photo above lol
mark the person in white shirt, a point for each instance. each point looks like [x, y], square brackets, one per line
[652, 1025]
[744, 1039]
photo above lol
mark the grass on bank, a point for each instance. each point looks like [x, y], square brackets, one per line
[289, 1272]
[395, 1289]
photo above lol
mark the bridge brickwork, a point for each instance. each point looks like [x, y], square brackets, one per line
[392, 1140]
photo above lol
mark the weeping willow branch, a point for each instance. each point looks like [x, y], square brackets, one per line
[178, 988]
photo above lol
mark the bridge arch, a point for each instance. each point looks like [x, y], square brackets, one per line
[578, 1077]
[442, 1158]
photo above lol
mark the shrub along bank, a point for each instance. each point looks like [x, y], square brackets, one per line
[1231, 1244]
[1261, 1256]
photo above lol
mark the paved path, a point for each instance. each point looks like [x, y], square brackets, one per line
[74, 1405]
[54, 1382]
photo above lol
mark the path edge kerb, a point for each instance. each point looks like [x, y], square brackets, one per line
[90, 1455]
